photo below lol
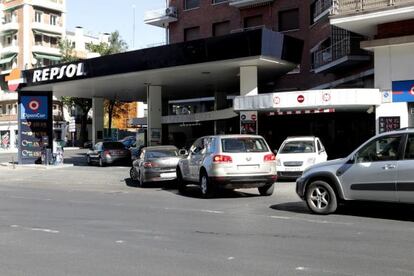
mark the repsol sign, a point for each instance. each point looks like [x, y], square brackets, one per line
[58, 73]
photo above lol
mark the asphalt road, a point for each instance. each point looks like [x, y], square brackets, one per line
[92, 221]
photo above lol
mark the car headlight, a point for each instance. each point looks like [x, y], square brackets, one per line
[278, 162]
[311, 161]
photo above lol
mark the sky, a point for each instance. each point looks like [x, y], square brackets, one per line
[96, 17]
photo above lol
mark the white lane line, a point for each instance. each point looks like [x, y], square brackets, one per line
[312, 220]
[230, 258]
[307, 270]
[120, 241]
[45, 230]
[195, 210]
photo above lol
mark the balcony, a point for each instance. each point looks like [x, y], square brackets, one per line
[8, 117]
[248, 3]
[56, 5]
[342, 54]
[49, 29]
[46, 49]
[9, 27]
[11, 49]
[321, 8]
[363, 16]
[162, 17]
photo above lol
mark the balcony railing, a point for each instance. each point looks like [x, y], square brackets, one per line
[345, 7]
[345, 47]
[8, 117]
[161, 17]
[320, 7]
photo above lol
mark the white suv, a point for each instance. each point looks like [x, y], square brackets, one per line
[297, 154]
[228, 162]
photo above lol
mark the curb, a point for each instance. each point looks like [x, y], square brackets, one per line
[38, 167]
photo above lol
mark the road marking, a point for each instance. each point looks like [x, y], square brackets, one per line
[36, 229]
[45, 230]
[120, 241]
[312, 220]
[196, 210]
[230, 258]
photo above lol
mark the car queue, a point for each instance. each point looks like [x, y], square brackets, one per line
[381, 169]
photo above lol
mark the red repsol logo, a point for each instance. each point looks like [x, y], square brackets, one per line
[57, 73]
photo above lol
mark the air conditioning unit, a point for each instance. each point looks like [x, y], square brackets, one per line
[171, 11]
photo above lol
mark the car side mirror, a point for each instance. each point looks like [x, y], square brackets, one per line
[183, 152]
[352, 159]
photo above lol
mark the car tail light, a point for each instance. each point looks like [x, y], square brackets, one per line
[107, 152]
[150, 165]
[269, 157]
[222, 159]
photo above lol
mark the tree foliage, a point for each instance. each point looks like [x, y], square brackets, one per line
[114, 45]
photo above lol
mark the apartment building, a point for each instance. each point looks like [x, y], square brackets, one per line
[331, 59]
[388, 26]
[29, 37]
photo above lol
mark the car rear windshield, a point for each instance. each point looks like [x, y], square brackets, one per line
[298, 147]
[243, 145]
[113, 145]
[161, 153]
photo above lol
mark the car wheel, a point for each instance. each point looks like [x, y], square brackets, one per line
[266, 190]
[101, 162]
[133, 174]
[207, 187]
[180, 182]
[321, 198]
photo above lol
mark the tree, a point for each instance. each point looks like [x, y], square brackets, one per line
[67, 50]
[115, 110]
[115, 45]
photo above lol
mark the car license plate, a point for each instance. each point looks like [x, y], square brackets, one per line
[248, 167]
[167, 175]
[292, 169]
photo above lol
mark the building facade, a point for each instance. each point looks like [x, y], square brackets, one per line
[29, 38]
[331, 59]
[389, 30]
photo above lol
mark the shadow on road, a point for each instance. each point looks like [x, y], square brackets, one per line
[166, 185]
[388, 211]
[195, 192]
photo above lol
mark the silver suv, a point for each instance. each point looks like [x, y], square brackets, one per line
[229, 162]
[381, 169]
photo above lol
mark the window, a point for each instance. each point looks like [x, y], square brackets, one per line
[54, 42]
[198, 146]
[221, 28]
[38, 39]
[219, 1]
[191, 33]
[243, 145]
[253, 21]
[381, 149]
[53, 20]
[289, 20]
[409, 150]
[38, 16]
[191, 4]
[1, 109]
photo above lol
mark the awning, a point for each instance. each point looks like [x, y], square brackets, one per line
[7, 59]
[8, 32]
[39, 32]
[49, 57]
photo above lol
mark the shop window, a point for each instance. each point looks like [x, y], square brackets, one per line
[191, 33]
[253, 21]
[191, 4]
[289, 20]
[221, 28]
